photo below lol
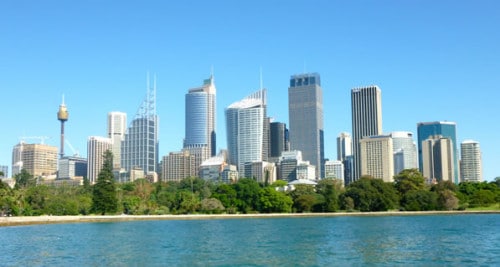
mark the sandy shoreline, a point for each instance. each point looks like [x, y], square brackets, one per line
[15, 221]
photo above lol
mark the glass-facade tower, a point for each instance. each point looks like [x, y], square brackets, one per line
[140, 147]
[305, 111]
[245, 130]
[446, 129]
[200, 118]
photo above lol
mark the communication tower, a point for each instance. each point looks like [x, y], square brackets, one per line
[62, 116]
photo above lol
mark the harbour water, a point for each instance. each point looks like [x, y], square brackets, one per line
[450, 240]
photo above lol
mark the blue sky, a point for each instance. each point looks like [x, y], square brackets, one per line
[433, 60]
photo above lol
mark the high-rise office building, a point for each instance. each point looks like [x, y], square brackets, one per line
[140, 147]
[36, 159]
[334, 169]
[344, 146]
[470, 163]
[437, 159]
[96, 147]
[377, 157]
[405, 151]
[200, 138]
[366, 105]
[117, 126]
[72, 167]
[288, 165]
[245, 128]
[278, 140]
[178, 165]
[305, 111]
[447, 129]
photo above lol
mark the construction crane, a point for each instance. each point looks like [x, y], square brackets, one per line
[42, 139]
[76, 153]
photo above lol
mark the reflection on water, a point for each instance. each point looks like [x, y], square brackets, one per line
[416, 240]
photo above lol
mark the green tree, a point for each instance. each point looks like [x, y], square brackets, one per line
[104, 198]
[274, 201]
[212, 206]
[227, 196]
[371, 194]
[408, 180]
[247, 193]
[24, 179]
[305, 198]
[419, 200]
[330, 189]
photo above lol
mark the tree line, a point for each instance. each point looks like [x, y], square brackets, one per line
[408, 192]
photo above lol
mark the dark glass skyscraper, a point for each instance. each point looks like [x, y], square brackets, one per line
[305, 111]
[278, 136]
[445, 129]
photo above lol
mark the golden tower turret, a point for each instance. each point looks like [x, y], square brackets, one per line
[62, 116]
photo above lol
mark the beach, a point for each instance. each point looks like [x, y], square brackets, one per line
[47, 219]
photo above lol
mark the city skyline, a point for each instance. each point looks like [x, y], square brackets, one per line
[427, 57]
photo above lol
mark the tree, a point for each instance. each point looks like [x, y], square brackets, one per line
[247, 193]
[104, 198]
[24, 179]
[330, 189]
[418, 200]
[409, 179]
[371, 194]
[274, 201]
[212, 205]
[305, 198]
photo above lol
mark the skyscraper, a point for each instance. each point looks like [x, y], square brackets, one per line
[366, 105]
[344, 146]
[117, 126]
[96, 147]
[344, 155]
[36, 159]
[200, 138]
[305, 111]
[437, 159]
[405, 151]
[471, 165]
[278, 139]
[439, 128]
[377, 160]
[245, 130]
[140, 147]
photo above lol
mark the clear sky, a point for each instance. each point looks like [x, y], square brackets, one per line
[433, 60]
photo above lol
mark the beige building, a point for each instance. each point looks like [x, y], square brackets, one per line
[178, 165]
[437, 159]
[38, 159]
[377, 158]
[96, 147]
[261, 171]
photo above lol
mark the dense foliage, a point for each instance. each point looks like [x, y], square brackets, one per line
[194, 195]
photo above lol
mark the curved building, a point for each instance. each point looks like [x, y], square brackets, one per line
[200, 138]
[245, 130]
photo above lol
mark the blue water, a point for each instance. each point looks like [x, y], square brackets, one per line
[450, 240]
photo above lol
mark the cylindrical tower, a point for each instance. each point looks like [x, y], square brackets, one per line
[62, 116]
